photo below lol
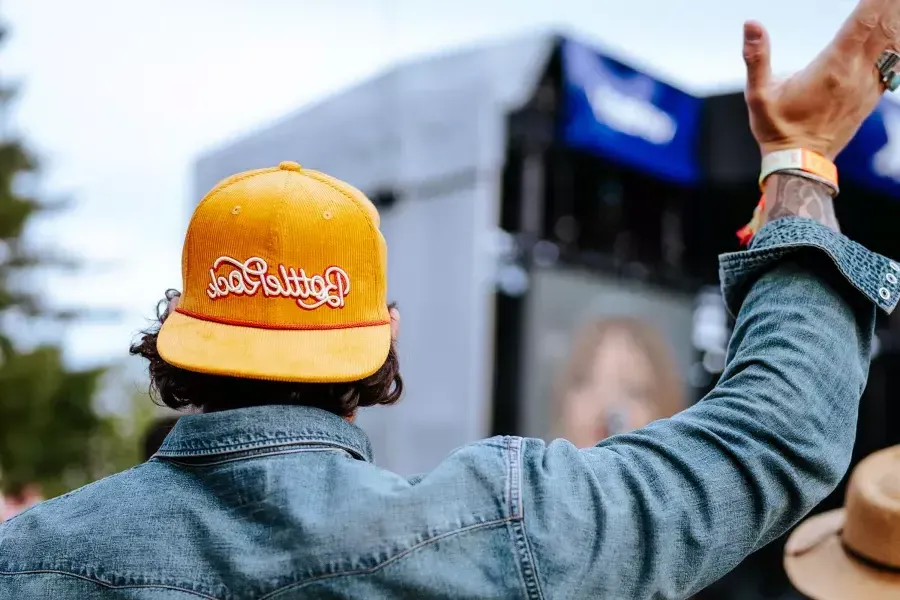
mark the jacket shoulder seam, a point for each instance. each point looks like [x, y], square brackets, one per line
[522, 547]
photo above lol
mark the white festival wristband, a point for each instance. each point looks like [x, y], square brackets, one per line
[802, 163]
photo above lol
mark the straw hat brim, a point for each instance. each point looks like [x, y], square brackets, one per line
[819, 567]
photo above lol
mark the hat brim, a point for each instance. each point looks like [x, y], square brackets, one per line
[310, 356]
[818, 566]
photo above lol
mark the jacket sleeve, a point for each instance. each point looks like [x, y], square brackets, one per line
[664, 511]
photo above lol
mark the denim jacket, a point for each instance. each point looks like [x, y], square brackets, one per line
[280, 502]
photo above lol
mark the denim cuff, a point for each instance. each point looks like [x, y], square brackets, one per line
[875, 276]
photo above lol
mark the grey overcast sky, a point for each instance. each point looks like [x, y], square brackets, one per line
[118, 97]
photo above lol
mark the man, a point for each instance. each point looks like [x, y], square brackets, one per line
[284, 331]
[853, 552]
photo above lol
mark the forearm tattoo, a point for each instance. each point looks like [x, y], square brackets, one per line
[793, 196]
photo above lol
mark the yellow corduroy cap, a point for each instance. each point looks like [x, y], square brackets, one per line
[285, 279]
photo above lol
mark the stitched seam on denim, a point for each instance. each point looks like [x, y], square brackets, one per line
[267, 438]
[762, 255]
[509, 475]
[395, 558]
[793, 234]
[523, 547]
[514, 450]
[495, 443]
[105, 584]
[526, 566]
[828, 252]
[513, 531]
[796, 228]
[250, 457]
[261, 444]
[759, 256]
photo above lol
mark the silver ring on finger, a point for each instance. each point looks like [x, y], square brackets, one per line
[888, 65]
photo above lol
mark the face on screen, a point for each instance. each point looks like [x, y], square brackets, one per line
[615, 394]
[620, 378]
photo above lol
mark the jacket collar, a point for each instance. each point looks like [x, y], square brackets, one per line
[262, 427]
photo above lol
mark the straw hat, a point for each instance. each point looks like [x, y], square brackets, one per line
[853, 552]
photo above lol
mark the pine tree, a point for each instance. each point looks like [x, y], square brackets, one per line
[48, 424]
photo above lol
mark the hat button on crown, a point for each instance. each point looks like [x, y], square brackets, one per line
[290, 165]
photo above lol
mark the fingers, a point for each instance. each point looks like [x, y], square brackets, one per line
[861, 26]
[757, 57]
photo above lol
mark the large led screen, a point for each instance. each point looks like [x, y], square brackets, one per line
[596, 338]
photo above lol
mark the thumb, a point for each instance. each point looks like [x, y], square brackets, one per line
[757, 57]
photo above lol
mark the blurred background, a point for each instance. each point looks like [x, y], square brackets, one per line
[555, 183]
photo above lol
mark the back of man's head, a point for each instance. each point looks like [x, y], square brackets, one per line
[284, 301]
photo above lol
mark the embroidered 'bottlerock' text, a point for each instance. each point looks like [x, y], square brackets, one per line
[248, 277]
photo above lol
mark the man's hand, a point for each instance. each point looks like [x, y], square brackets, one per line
[821, 107]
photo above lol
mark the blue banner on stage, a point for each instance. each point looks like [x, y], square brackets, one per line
[628, 117]
[872, 159]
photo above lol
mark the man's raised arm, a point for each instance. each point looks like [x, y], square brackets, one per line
[666, 510]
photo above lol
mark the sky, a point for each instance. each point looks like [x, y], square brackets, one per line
[118, 98]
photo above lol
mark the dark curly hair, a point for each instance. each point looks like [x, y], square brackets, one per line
[181, 389]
